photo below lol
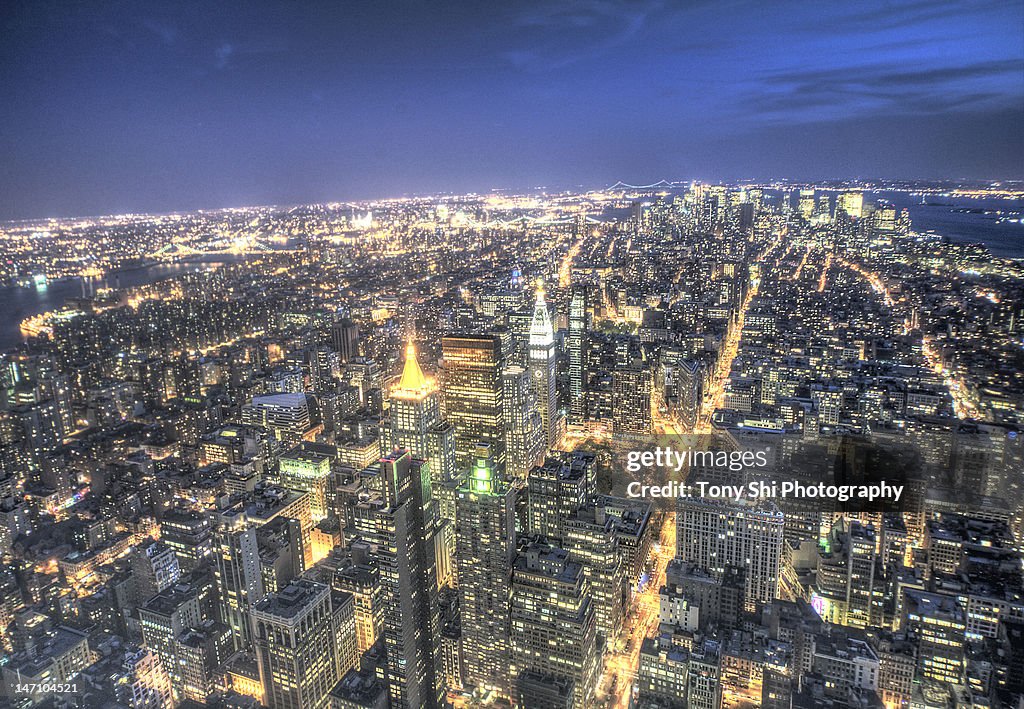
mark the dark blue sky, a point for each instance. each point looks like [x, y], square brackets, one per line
[147, 106]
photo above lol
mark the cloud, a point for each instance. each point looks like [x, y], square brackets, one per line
[166, 33]
[812, 95]
[898, 15]
[561, 33]
[222, 55]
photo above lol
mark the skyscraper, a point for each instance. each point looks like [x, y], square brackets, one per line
[558, 488]
[485, 539]
[578, 326]
[631, 398]
[345, 339]
[806, 204]
[715, 534]
[852, 203]
[416, 423]
[689, 391]
[524, 428]
[290, 417]
[542, 365]
[472, 395]
[307, 467]
[416, 426]
[404, 526]
[240, 575]
[297, 634]
[553, 628]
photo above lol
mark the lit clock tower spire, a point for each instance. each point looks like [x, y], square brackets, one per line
[542, 369]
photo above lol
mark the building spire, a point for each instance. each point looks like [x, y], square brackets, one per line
[541, 332]
[413, 380]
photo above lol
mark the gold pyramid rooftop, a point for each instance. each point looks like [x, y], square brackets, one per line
[413, 383]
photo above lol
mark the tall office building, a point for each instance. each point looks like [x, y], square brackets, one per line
[806, 204]
[524, 428]
[299, 643]
[416, 426]
[238, 574]
[239, 571]
[472, 395]
[415, 407]
[154, 568]
[164, 617]
[345, 339]
[578, 326]
[485, 539]
[823, 209]
[553, 632]
[849, 579]
[631, 398]
[557, 489]
[415, 420]
[189, 535]
[591, 539]
[404, 526]
[716, 534]
[542, 366]
[852, 203]
[689, 391]
[938, 624]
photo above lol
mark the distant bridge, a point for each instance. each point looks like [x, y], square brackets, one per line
[526, 219]
[244, 245]
[659, 184]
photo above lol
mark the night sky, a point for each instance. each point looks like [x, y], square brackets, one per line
[146, 106]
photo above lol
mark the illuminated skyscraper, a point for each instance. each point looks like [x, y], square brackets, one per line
[938, 623]
[852, 203]
[524, 427]
[416, 426]
[557, 489]
[631, 397]
[715, 534]
[290, 417]
[823, 209]
[472, 395]
[239, 573]
[416, 423]
[848, 579]
[345, 339]
[578, 326]
[689, 391]
[553, 628]
[307, 467]
[299, 637]
[542, 370]
[485, 534]
[403, 523]
[806, 204]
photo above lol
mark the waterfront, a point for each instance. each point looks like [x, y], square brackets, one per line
[940, 215]
[21, 302]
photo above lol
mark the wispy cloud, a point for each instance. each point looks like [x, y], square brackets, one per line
[222, 55]
[841, 92]
[561, 32]
[166, 33]
[897, 15]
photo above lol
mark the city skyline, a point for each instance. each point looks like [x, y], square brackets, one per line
[369, 456]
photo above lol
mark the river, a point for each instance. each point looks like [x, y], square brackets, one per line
[1004, 238]
[20, 302]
